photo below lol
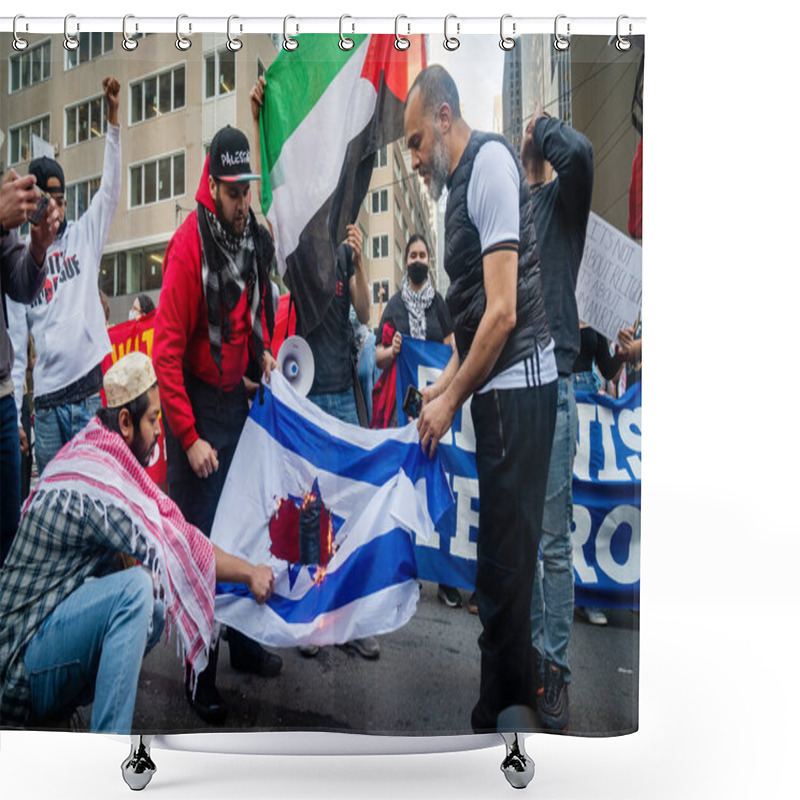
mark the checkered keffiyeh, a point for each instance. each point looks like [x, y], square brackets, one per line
[94, 500]
[417, 303]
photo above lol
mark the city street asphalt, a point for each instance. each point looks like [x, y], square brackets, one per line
[424, 683]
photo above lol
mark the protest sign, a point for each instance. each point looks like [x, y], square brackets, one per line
[609, 290]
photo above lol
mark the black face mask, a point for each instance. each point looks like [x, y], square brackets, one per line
[417, 272]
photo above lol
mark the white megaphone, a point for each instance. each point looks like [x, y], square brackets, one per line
[296, 363]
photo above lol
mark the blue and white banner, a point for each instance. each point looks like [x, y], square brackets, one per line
[606, 490]
[330, 507]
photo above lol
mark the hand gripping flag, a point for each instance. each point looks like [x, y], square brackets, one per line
[327, 112]
[331, 508]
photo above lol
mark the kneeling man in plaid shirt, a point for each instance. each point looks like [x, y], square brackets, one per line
[74, 627]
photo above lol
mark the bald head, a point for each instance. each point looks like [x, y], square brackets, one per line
[436, 86]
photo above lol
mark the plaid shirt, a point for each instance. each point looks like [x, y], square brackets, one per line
[60, 543]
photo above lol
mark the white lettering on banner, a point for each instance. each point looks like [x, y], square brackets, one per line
[465, 490]
[586, 416]
[629, 426]
[465, 438]
[627, 572]
[623, 573]
[610, 472]
[630, 431]
[580, 536]
[425, 377]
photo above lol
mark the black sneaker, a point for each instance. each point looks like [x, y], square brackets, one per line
[449, 595]
[554, 700]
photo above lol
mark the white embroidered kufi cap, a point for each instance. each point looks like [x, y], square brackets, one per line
[130, 377]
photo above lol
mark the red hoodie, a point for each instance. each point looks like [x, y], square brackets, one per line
[181, 327]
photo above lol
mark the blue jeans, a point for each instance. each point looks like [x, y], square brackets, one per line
[585, 382]
[10, 482]
[91, 648]
[341, 405]
[55, 426]
[553, 587]
[366, 371]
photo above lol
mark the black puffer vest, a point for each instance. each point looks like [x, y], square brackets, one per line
[466, 298]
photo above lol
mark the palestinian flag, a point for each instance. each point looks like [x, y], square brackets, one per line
[327, 113]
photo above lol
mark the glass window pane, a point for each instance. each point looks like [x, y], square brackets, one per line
[82, 199]
[152, 269]
[36, 65]
[46, 61]
[96, 117]
[150, 182]
[150, 92]
[178, 175]
[26, 69]
[16, 71]
[72, 124]
[83, 122]
[72, 58]
[164, 178]
[106, 281]
[45, 134]
[136, 102]
[227, 71]
[25, 143]
[83, 51]
[97, 45]
[165, 93]
[136, 186]
[210, 81]
[108, 42]
[15, 146]
[179, 88]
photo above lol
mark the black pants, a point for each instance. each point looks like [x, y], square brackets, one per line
[219, 419]
[514, 435]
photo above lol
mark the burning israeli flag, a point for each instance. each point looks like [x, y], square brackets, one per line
[330, 507]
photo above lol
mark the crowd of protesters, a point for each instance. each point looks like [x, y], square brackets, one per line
[514, 235]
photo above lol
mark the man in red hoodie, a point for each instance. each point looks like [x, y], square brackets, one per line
[214, 311]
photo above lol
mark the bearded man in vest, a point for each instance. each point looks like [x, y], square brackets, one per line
[504, 363]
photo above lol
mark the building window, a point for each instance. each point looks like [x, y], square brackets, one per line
[20, 140]
[79, 195]
[381, 157]
[30, 67]
[157, 180]
[93, 45]
[380, 201]
[380, 246]
[158, 94]
[132, 271]
[220, 73]
[398, 173]
[398, 212]
[377, 286]
[86, 120]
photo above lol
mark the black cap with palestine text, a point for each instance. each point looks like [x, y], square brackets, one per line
[229, 156]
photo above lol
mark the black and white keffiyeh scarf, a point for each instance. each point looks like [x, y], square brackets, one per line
[230, 265]
[417, 303]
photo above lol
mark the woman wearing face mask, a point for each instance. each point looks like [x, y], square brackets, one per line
[142, 305]
[417, 310]
[420, 312]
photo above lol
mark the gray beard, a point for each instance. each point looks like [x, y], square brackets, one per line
[440, 167]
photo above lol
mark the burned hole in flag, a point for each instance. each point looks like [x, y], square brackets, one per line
[303, 529]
